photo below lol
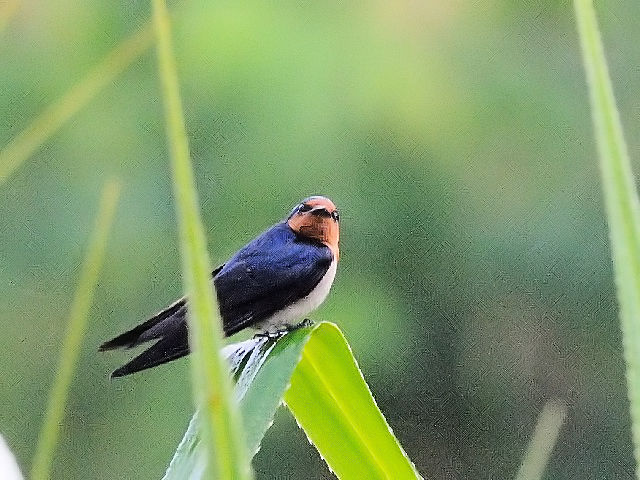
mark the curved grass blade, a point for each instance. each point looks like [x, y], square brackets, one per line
[621, 202]
[58, 113]
[75, 332]
[221, 424]
[309, 367]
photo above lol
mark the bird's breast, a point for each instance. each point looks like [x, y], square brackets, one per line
[296, 311]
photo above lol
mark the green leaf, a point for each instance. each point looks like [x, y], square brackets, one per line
[334, 406]
[621, 201]
[221, 423]
[262, 368]
[313, 369]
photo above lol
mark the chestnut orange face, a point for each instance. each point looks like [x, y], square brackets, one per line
[317, 218]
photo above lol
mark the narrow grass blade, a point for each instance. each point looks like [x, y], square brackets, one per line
[221, 424]
[8, 465]
[75, 332]
[544, 439]
[333, 404]
[621, 201]
[58, 113]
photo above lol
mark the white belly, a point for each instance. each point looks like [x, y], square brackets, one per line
[295, 313]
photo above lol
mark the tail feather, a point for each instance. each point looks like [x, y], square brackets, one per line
[149, 330]
[168, 348]
[168, 327]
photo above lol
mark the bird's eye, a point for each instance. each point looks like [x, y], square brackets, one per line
[304, 208]
[335, 215]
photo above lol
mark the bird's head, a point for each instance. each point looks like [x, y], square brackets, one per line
[317, 218]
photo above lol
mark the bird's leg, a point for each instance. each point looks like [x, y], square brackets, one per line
[307, 322]
[274, 334]
[270, 334]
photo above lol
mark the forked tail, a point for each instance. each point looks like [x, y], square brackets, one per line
[168, 327]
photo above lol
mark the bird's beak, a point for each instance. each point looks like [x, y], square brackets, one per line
[321, 210]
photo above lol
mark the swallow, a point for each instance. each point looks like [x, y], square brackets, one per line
[269, 285]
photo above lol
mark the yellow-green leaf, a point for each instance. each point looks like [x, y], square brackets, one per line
[333, 404]
[54, 415]
[313, 369]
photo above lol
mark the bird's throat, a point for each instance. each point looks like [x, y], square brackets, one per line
[323, 230]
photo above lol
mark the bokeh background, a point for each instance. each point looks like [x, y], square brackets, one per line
[475, 282]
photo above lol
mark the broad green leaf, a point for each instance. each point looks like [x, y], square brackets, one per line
[220, 425]
[333, 404]
[313, 369]
[621, 201]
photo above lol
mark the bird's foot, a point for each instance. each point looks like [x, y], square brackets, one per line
[274, 334]
[307, 322]
[270, 334]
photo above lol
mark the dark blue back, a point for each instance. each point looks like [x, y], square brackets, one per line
[274, 270]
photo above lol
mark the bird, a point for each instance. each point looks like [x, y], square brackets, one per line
[269, 285]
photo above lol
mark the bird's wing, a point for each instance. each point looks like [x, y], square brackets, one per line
[267, 276]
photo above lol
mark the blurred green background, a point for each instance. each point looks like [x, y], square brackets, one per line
[475, 281]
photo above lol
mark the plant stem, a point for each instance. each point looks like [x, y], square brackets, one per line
[544, 438]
